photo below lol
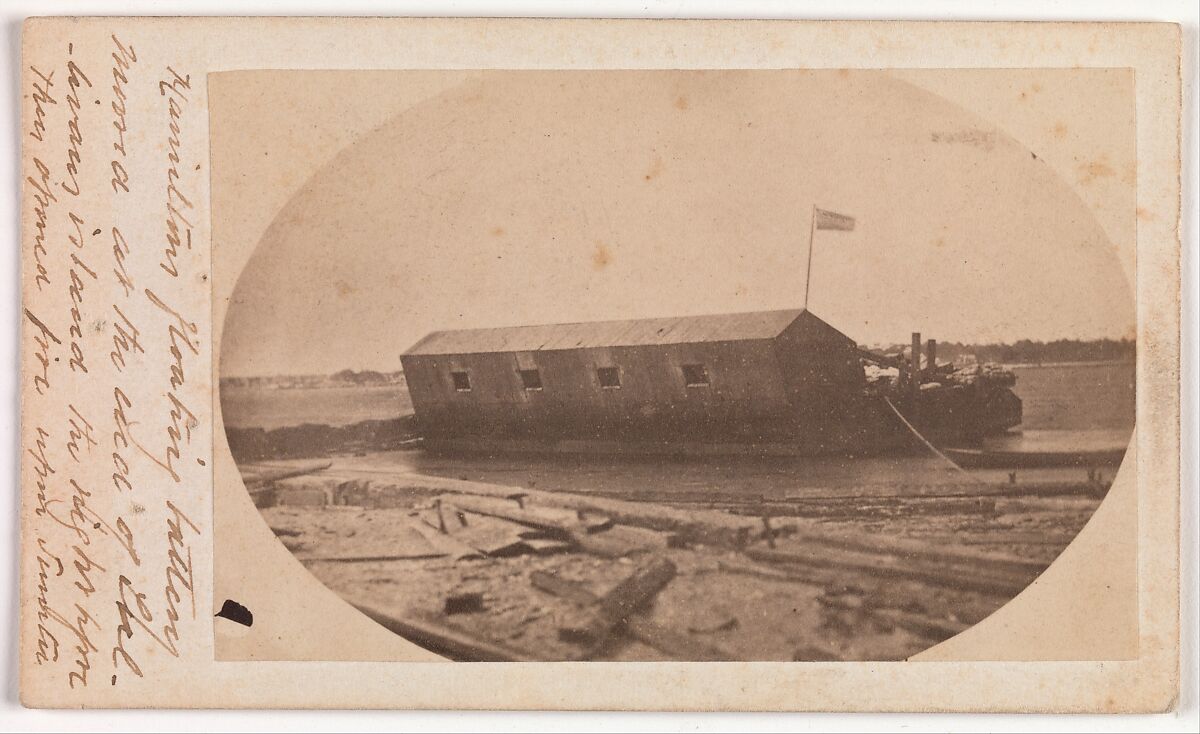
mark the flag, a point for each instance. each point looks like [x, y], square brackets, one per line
[833, 220]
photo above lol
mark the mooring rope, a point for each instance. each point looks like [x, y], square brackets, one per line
[929, 445]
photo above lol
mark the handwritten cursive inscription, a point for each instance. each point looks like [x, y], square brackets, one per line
[123, 57]
[179, 228]
[112, 342]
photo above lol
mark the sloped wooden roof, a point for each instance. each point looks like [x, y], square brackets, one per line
[596, 334]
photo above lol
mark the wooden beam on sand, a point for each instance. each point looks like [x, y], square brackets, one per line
[284, 473]
[488, 535]
[981, 579]
[637, 624]
[591, 625]
[709, 527]
[546, 518]
[714, 528]
[621, 540]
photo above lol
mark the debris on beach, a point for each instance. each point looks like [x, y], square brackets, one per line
[480, 571]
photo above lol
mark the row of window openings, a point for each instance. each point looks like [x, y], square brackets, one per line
[694, 375]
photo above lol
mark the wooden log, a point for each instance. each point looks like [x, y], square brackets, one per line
[700, 526]
[915, 550]
[274, 474]
[723, 529]
[471, 602]
[637, 624]
[497, 528]
[982, 580]
[709, 527]
[547, 546]
[810, 576]
[869, 506]
[591, 625]
[441, 526]
[546, 518]
[619, 541]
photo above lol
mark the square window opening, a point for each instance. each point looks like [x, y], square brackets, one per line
[462, 381]
[695, 375]
[609, 377]
[531, 379]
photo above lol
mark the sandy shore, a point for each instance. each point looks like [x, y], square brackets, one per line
[867, 577]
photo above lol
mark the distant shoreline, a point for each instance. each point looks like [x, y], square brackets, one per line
[1100, 363]
[326, 385]
[321, 386]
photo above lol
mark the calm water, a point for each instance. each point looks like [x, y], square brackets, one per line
[1077, 397]
[248, 407]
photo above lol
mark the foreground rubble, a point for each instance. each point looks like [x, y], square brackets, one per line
[481, 571]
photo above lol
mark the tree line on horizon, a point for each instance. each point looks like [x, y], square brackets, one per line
[1028, 351]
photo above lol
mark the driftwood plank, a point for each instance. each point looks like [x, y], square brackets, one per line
[637, 624]
[590, 625]
[548, 518]
[998, 581]
[274, 474]
[487, 535]
[620, 540]
[547, 546]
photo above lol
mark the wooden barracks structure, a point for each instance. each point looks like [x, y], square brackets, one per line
[741, 378]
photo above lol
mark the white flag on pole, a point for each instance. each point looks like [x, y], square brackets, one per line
[833, 220]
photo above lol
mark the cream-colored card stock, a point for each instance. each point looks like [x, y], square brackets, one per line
[578, 364]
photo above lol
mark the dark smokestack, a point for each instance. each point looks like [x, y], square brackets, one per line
[915, 381]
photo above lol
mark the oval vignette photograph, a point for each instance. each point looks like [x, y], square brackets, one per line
[771, 365]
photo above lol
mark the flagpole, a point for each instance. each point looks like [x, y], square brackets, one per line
[812, 228]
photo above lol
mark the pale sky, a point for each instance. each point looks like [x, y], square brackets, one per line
[538, 197]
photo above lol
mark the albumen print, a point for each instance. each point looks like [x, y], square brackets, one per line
[681, 365]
